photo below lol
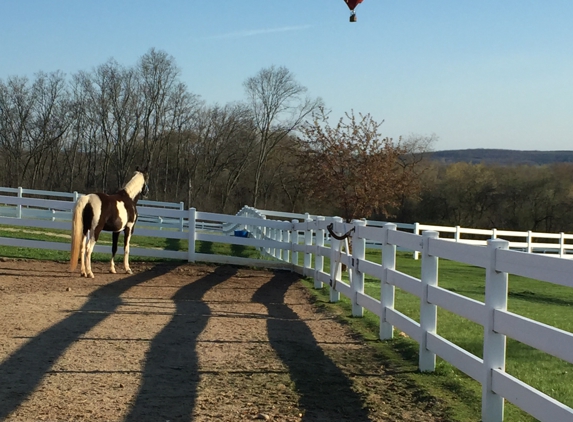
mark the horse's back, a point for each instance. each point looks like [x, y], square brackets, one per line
[117, 211]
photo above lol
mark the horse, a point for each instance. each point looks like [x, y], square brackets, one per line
[115, 213]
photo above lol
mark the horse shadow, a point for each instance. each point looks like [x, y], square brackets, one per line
[171, 374]
[325, 391]
[24, 369]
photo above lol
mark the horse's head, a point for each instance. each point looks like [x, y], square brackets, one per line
[140, 177]
[145, 189]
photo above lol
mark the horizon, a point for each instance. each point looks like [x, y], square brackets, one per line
[506, 149]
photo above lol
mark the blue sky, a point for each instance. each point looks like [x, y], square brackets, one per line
[476, 73]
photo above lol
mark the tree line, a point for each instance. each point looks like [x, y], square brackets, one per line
[510, 197]
[88, 132]
[277, 150]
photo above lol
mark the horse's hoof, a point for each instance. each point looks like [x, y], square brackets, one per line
[112, 270]
[129, 271]
[91, 275]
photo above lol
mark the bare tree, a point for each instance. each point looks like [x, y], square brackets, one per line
[33, 121]
[279, 105]
[16, 108]
[170, 157]
[158, 80]
[114, 106]
[50, 122]
[74, 158]
[218, 152]
[241, 138]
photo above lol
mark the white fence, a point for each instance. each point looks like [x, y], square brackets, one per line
[155, 221]
[526, 241]
[284, 241]
[492, 315]
[22, 211]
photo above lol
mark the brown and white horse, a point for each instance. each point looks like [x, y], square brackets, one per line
[98, 211]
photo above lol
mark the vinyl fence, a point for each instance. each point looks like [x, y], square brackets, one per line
[302, 244]
[560, 244]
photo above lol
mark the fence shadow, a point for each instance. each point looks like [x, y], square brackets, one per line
[173, 244]
[24, 369]
[325, 391]
[171, 374]
[205, 247]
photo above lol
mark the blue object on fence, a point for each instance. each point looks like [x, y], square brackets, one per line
[241, 233]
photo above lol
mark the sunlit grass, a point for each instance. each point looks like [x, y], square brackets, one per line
[540, 301]
[63, 236]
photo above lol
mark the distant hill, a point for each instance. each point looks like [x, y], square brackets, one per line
[502, 156]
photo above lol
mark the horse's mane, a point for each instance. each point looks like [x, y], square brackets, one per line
[135, 185]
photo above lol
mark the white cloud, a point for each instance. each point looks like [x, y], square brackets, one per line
[255, 32]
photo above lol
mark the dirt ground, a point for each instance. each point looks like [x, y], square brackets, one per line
[184, 342]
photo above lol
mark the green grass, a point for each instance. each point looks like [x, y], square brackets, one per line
[62, 236]
[544, 302]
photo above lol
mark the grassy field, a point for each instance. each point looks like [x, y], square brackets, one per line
[550, 304]
[544, 302]
[105, 239]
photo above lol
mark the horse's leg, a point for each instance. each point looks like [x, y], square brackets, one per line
[127, 236]
[115, 237]
[83, 255]
[94, 236]
[90, 248]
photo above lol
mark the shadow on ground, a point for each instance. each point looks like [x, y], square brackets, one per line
[171, 373]
[325, 391]
[26, 367]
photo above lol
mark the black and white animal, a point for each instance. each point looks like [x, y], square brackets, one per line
[115, 213]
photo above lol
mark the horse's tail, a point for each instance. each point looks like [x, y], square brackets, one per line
[77, 230]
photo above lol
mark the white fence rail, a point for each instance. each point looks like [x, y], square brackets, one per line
[22, 210]
[284, 241]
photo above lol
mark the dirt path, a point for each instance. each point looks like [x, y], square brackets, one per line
[181, 343]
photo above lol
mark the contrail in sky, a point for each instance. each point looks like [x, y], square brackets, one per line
[254, 32]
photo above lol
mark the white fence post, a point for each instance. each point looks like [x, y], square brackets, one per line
[192, 235]
[274, 239]
[358, 254]
[561, 245]
[416, 231]
[387, 291]
[494, 344]
[294, 241]
[277, 239]
[19, 215]
[529, 241]
[181, 220]
[280, 251]
[319, 258]
[428, 311]
[307, 243]
[259, 233]
[335, 266]
[287, 252]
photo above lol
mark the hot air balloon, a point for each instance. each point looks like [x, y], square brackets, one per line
[352, 5]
